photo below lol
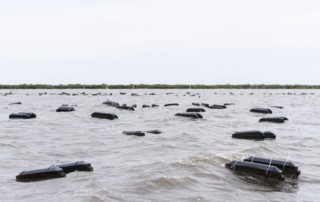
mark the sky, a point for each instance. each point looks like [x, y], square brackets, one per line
[160, 41]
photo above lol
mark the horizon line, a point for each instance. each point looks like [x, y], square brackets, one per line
[158, 86]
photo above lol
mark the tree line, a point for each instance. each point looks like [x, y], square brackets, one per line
[156, 86]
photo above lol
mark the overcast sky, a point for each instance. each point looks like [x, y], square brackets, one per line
[160, 41]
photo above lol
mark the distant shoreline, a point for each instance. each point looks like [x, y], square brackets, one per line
[156, 86]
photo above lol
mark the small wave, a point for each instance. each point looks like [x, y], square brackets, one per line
[166, 181]
[218, 159]
[222, 159]
[195, 160]
[258, 150]
[95, 199]
[7, 145]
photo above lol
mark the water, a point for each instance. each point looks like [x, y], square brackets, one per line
[184, 163]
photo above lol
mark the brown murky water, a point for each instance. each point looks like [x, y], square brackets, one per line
[184, 163]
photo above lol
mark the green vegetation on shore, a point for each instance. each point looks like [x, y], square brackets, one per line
[157, 86]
